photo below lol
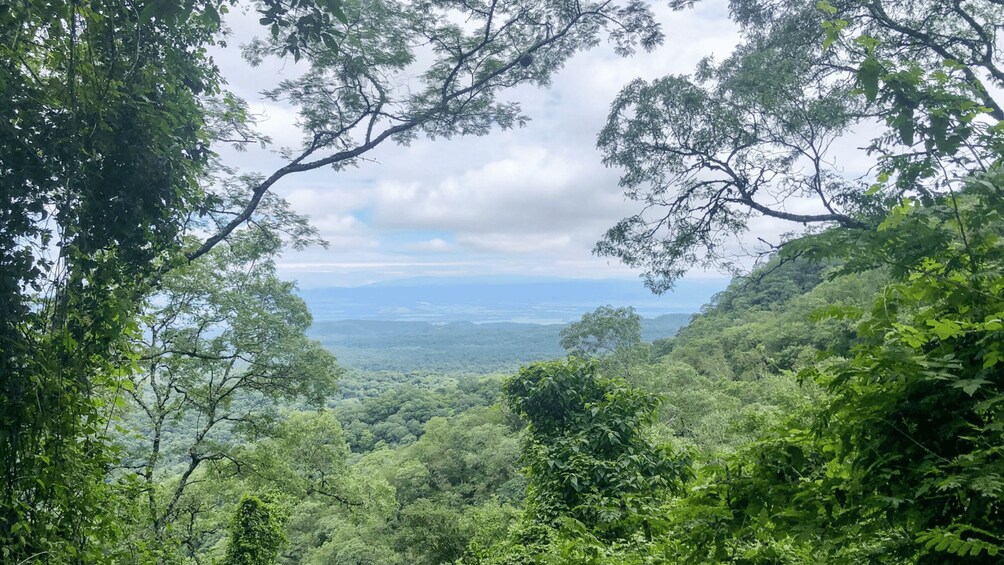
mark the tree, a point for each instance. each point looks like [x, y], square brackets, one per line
[431, 532]
[351, 101]
[102, 149]
[303, 466]
[901, 463]
[588, 460]
[916, 416]
[604, 331]
[751, 136]
[223, 341]
[256, 533]
[108, 96]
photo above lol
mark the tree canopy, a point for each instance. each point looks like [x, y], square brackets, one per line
[753, 135]
[161, 403]
[102, 151]
[108, 137]
[603, 331]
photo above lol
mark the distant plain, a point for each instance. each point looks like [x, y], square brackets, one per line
[477, 325]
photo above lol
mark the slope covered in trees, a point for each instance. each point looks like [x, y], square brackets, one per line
[161, 402]
[442, 472]
[710, 411]
[456, 347]
[110, 125]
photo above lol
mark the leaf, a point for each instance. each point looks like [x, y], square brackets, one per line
[946, 329]
[991, 358]
[329, 42]
[905, 128]
[826, 7]
[335, 7]
[970, 386]
[868, 77]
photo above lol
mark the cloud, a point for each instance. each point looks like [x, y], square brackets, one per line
[319, 194]
[530, 200]
[436, 245]
[535, 198]
[515, 243]
[338, 266]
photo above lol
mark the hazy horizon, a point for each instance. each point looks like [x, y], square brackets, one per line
[517, 299]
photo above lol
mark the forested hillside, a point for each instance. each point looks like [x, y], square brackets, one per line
[163, 400]
[431, 470]
[464, 347]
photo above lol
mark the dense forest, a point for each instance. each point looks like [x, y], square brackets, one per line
[162, 399]
[464, 347]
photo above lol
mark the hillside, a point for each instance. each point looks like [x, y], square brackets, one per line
[403, 346]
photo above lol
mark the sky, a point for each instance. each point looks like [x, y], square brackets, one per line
[531, 201]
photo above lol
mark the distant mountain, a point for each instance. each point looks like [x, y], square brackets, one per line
[493, 299]
[405, 346]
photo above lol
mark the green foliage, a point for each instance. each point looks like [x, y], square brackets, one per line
[302, 25]
[901, 462]
[885, 448]
[109, 115]
[256, 533]
[431, 533]
[917, 409]
[306, 455]
[100, 98]
[303, 466]
[768, 322]
[605, 331]
[707, 153]
[398, 416]
[222, 344]
[587, 457]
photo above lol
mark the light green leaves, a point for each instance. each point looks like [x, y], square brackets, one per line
[256, 532]
[587, 454]
[604, 331]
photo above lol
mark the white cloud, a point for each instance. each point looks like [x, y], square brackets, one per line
[320, 193]
[532, 199]
[435, 245]
[338, 266]
[515, 243]
[342, 243]
[526, 201]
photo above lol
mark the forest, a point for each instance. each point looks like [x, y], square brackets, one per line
[456, 347]
[164, 399]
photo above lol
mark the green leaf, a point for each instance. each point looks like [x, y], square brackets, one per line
[970, 386]
[945, 329]
[335, 7]
[329, 42]
[825, 6]
[905, 127]
[868, 77]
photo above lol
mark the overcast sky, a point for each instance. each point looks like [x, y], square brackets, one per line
[531, 201]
